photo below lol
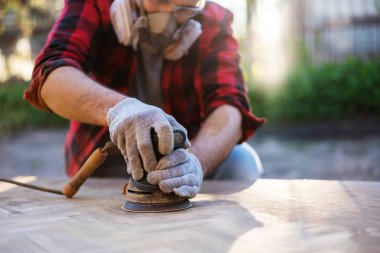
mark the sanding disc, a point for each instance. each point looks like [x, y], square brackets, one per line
[155, 208]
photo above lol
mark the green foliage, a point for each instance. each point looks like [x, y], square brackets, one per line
[323, 92]
[16, 113]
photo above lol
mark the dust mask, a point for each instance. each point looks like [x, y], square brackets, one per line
[153, 31]
[159, 32]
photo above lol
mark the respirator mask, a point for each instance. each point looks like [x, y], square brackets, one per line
[155, 32]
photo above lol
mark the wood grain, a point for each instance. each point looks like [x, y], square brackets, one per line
[269, 216]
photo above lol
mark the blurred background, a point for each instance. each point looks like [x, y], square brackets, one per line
[312, 68]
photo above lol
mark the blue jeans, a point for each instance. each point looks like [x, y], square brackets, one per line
[243, 164]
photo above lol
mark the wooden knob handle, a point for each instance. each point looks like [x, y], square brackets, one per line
[91, 164]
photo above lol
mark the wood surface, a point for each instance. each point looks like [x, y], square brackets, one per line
[268, 216]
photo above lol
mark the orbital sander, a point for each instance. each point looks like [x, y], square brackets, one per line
[141, 196]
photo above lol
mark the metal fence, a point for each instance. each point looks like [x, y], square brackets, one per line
[337, 29]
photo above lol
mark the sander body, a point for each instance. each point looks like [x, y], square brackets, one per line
[141, 196]
[144, 197]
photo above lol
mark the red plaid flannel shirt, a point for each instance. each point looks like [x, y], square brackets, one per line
[192, 87]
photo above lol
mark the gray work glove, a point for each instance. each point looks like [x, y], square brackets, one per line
[179, 172]
[130, 123]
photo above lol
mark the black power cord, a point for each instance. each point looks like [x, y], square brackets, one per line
[108, 146]
[34, 187]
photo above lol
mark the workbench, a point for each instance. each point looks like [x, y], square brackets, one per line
[268, 216]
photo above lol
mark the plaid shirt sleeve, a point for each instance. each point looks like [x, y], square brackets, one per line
[71, 42]
[221, 77]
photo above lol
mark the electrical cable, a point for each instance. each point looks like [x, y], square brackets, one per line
[34, 187]
[109, 145]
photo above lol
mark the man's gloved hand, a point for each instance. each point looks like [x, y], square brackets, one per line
[130, 123]
[180, 172]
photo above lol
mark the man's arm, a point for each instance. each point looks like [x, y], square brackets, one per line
[71, 94]
[219, 134]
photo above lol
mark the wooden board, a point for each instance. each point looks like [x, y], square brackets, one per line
[269, 216]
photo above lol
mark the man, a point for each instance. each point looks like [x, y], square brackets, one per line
[111, 65]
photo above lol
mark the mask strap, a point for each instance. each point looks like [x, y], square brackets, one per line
[141, 9]
[141, 22]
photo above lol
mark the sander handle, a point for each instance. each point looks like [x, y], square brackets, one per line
[100, 155]
[92, 163]
[179, 141]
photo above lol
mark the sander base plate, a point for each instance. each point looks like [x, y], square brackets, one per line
[155, 208]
